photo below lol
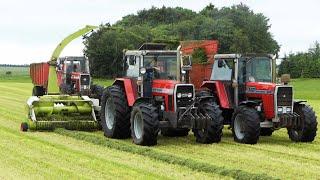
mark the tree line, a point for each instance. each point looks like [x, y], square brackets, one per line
[237, 28]
[302, 64]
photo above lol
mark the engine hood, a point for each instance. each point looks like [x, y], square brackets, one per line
[260, 87]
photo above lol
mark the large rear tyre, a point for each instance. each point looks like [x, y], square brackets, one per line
[213, 132]
[38, 91]
[308, 131]
[246, 125]
[266, 131]
[115, 113]
[170, 132]
[144, 124]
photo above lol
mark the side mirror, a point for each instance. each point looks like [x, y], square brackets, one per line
[220, 63]
[132, 60]
[186, 63]
[285, 79]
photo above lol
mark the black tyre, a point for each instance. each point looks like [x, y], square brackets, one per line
[24, 127]
[266, 131]
[213, 131]
[308, 131]
[38, 91]
[170, 132]
[115, 113]
[246, 125]
[96, 92]
[144, 124]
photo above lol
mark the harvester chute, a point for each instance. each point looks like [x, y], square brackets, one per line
[55, 109]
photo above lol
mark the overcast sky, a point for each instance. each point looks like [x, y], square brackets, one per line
[30, 30]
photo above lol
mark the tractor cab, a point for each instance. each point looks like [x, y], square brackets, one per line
[252, 103]
[237, 72]
[73, 75]
[152, 64]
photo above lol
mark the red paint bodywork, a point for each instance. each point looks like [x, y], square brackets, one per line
[267, 98]
[166, 87]
[266, 95]
[130, 86]
[218, 88]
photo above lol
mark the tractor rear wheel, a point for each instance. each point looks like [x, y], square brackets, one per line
[213, 131]
[144, 124]
[38, 91]
[308, 131]
[266, 131]
[246, 125]
[115, 113]
[179, 132]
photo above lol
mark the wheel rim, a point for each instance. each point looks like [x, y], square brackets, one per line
[238, 127]
[109, 113]
[138, 125]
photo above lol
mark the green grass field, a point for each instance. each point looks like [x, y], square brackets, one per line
[73, 155]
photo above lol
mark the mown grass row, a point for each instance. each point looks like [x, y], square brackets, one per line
[45, 154]
[149, 152]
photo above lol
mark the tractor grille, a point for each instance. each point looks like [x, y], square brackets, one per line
[184, 100]
[284, 96]
[85, 79]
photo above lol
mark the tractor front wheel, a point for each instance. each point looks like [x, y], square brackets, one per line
[115, 113]
[246, 125]
[308, 131]
[213, 132]
[144, 124]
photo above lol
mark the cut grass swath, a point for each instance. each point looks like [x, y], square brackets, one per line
[149, 152]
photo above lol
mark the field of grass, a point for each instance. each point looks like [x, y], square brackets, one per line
[73, 155]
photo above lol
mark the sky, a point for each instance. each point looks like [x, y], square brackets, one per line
[30, 30]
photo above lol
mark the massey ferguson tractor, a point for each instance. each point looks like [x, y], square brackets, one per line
[152, 97]
[73, 77]
[244, 87]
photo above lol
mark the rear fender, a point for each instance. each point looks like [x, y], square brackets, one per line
[249, 103]
[130, 88]
[143, 100]
[219, 91]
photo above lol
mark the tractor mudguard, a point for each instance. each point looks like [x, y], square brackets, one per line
[249, 103]
[130, 88]
[143, 100]
[296, 102]
[220, 92]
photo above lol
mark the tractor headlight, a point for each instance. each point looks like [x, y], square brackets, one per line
[189, 95]
[143, 70]
[179, 95]
[288, 109]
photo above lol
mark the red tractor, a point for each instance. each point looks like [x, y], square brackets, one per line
[73, 77]
[152, 97]
[244, 87]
